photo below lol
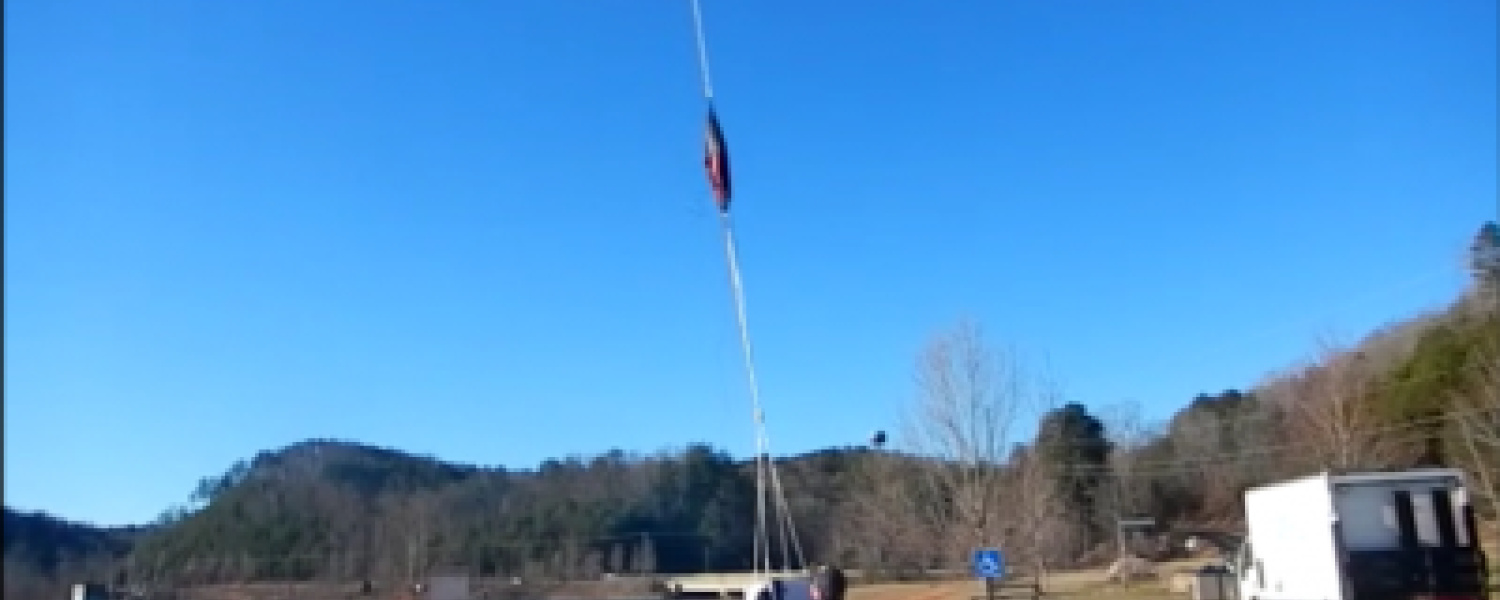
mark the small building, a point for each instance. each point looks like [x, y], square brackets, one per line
[90, 591]
[447, 586]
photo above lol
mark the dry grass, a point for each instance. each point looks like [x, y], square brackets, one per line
[1154, 590]
[966, 590]
[1089, 584]
[940, 590]
[1151, 590]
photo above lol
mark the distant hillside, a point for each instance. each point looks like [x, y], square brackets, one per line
[328, 506]
[1419, 392]
[42, 550]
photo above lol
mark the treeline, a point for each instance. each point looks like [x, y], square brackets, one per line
[41, 549]
[957, 475]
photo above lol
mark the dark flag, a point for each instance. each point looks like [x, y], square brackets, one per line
[716, 161]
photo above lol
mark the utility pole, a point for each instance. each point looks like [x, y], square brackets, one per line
[1119, 512]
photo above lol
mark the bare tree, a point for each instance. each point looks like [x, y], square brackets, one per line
[1332, 412]
[1223, 443]
[883, 526]
[1477, 416]
[616, 561]
[1129, 434]
[1033, 523]
[969, 396]
[643, 560]
[409, 536]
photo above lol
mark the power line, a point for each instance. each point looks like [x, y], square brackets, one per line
[1198, 462]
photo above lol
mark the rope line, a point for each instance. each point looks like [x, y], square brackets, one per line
[762, 551]
[769, 494]
[702, 45]
[767, 479]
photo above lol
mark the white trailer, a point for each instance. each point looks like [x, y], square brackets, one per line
[1404, 535]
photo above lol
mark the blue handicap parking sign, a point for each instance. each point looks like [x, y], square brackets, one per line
[989, 563]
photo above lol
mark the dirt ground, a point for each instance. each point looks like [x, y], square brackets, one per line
[1080, 585]
[966, 590]
[1072, 585]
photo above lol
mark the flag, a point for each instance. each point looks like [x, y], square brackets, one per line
[716, 161]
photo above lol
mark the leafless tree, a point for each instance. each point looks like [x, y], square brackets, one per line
[1034, 522]
[969, 398]
[1221, 444]
[22, 580]
[1333, 414]
[1129, 434]
[883, 526]
[408, 537]
[1477, 416]
[616, 560]
[643, 560]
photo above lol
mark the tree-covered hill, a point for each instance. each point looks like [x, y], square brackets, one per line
[40, 548]
[1422, 391]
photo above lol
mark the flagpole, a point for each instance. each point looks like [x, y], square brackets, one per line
[761, 556]
[767, 483]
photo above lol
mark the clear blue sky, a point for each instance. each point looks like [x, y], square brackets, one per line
[480, 229]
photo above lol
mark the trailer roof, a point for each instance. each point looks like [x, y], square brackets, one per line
[1359, 477]
[1404, 475]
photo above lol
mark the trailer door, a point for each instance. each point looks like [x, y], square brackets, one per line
[1409, 541]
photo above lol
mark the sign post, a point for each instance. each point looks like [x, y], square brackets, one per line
[1124, 528]
[989, 565]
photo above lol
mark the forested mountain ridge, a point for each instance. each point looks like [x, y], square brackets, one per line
[40, 548]
[1424, 391]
